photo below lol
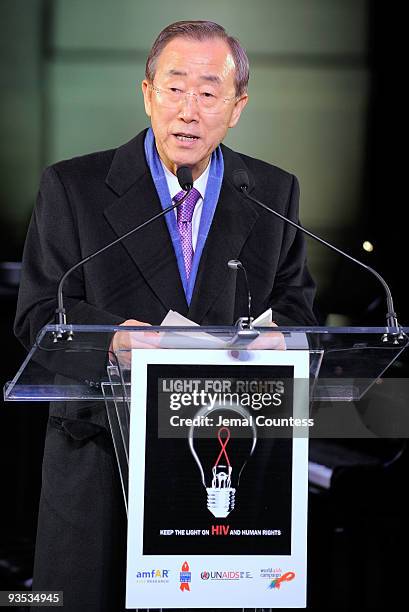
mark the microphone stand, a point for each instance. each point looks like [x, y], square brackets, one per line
[186, 182]
[246, 332]
[394, 333]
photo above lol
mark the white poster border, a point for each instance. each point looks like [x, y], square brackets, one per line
[248, 593]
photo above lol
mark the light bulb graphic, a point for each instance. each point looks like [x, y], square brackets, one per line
[225, 470]
[221, 495]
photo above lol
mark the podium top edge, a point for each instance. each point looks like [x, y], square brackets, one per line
[222, 329]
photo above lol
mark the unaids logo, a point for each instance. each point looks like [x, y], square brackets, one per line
[226, 575]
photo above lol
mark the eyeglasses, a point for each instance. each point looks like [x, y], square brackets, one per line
[172, 97]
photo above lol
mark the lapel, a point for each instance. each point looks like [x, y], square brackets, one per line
[151, 248]
[232, 223]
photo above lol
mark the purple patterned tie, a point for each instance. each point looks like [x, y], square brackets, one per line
[184, 217]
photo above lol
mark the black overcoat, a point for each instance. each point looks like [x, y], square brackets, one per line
[83, 204]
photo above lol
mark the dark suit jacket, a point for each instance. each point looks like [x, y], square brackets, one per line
[86, 202]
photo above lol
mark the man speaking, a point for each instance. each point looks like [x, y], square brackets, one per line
[195, 89]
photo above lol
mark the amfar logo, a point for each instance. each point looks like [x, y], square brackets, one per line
[154, 575]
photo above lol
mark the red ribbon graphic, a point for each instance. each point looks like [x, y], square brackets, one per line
[184, 586]
[223, 444]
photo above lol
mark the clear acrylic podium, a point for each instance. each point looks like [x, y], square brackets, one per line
[344, 364]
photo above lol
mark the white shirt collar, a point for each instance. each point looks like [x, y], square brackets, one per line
[173, 183]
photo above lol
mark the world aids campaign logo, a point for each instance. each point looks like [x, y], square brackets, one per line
[277, 577]
[185, 577]
[276, 583]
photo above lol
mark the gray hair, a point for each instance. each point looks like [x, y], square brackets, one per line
[201, 30]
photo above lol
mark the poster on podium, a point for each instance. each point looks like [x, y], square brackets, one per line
[217, 508]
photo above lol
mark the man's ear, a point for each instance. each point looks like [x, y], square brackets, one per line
[147, 93]
[238, 108]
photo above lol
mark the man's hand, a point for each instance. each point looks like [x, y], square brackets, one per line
[269, 340]
[123, 342]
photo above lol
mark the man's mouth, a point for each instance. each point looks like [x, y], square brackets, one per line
[186, 137]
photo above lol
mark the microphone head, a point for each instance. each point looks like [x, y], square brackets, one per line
[184, 176]
[234, 264]
[241, 180]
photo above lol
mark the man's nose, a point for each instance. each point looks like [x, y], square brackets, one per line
[189, 108]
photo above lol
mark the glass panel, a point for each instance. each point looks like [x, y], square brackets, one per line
[344, 362]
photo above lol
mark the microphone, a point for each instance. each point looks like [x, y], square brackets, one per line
[394, 331]
[184, 176]
[245, 330]
[235, 264]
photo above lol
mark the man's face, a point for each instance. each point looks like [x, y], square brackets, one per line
[205, 68]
